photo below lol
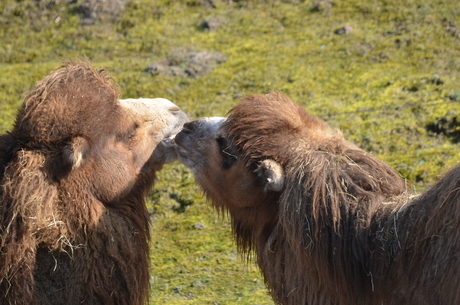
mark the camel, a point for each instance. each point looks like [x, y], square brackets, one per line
[74, 171]
[328, 222]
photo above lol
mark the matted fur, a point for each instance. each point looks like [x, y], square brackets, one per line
[344, 229]
[74, 228]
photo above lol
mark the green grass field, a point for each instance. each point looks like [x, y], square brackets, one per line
[390, 82]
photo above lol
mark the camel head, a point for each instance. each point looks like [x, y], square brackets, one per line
[248, 194]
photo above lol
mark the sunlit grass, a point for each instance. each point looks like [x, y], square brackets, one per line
[383, 83]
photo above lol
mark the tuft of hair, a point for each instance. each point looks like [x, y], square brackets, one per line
[258, 122]
[54, 109]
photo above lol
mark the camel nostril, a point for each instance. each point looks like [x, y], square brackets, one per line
[188, 127]
[174, 110]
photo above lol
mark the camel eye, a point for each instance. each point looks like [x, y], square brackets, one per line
[131, 137]
[226, 150]
[129, 134]
[220, 141]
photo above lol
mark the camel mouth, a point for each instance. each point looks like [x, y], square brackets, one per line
[171, 134]
[170, 139]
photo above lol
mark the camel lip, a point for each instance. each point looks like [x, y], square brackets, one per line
[176, 140]
[170, 136]
[170, 139]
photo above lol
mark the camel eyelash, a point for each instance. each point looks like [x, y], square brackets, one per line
[225, 151]
[229, 154]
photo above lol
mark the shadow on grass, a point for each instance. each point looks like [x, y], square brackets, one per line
[182, 203]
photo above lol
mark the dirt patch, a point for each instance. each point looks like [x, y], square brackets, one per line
[210, 24]
[186, 63]
[92, 10]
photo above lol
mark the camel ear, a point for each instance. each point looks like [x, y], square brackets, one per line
[272, 174]
[76, 152]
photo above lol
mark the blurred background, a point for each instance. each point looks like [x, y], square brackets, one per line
[385, 72]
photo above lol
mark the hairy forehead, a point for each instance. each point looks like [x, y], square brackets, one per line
[270, 126]
[210, 126]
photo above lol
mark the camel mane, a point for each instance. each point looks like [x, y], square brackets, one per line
[334, 174]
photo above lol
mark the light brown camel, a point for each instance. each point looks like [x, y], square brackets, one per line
[74, 171]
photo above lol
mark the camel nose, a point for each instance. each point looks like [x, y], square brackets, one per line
[210, 124]
[189, 127]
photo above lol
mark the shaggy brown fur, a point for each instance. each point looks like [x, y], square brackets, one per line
[330, 223]
[74, 171]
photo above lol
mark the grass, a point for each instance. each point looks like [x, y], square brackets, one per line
[392, 85]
